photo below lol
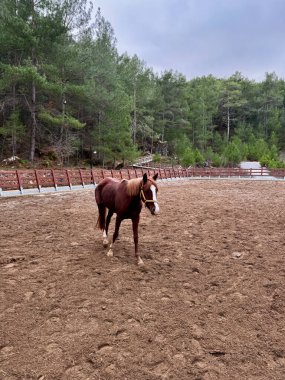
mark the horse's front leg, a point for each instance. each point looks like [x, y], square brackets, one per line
[115, 235]
[136, 239]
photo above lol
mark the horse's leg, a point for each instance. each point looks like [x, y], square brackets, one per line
[101, 223]
[115, 235]
[105, 231]
[136, 239]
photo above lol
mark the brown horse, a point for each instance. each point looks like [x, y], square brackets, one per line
[125, 199]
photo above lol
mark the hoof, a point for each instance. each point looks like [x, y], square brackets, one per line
[105, 243]
[140, 262]
[110, 253]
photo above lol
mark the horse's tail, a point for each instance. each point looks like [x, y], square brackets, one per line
[101, 222]
[101, 218]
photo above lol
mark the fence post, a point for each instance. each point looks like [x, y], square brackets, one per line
[68, 179]
[54, 180]
[38, 180]
[20, 183]
[1, 184]
[93, 177]
[81, 177]
[170, 172]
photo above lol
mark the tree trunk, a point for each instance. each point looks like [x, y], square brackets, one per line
[34, 123]
[14, 136]
[228, 125]
[135, 114]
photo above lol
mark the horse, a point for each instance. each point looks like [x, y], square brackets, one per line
[125, 198]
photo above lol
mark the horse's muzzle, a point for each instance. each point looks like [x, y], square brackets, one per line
[154, 209]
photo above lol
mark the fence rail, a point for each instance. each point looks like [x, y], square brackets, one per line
[14, 182]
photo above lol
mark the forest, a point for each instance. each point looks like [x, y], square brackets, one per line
[67, 97]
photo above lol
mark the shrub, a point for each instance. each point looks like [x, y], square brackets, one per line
[257, 149]
[275, 164]
[188, 157]
[232, 155]
[216, 160]
[199, 158]
[156, 158]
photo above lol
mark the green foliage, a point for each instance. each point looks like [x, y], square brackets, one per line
[64, 84]
[188, 157]
[218, 143]
[13, 125]
[73, 123]
[270, 158]
[47, 118]
[181, 144]
[257, 148]
[243, 131]
[13, 130]
[216, 160]
[157, 158]
[199, 158]
[271, 163]
[232, 155]
[60, 120]
[186, 154]
[241, 146]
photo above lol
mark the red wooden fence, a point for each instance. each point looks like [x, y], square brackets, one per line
[40, 179]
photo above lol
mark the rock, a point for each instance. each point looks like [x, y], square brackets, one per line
[237, 255]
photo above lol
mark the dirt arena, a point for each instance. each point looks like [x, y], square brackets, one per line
[209, 302]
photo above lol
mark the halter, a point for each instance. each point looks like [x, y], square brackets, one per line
[142, 194]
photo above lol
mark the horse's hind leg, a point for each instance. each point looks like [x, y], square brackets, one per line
[115, 235]
[101, 223]
[105, 231]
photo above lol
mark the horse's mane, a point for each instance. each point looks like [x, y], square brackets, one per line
[133, 186]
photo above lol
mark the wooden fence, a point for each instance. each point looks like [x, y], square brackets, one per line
[40, 180]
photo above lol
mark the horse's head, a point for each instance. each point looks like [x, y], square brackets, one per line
[148, 193]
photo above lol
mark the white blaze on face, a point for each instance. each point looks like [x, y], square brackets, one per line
[104, 234]
[156, 207]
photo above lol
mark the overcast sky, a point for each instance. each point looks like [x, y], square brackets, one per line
[201, 37]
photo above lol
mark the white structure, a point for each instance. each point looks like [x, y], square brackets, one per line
[250, 165]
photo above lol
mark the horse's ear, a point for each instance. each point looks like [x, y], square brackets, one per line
[155, 176]
[144, 178]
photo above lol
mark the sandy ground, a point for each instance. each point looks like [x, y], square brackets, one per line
[208, 304]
